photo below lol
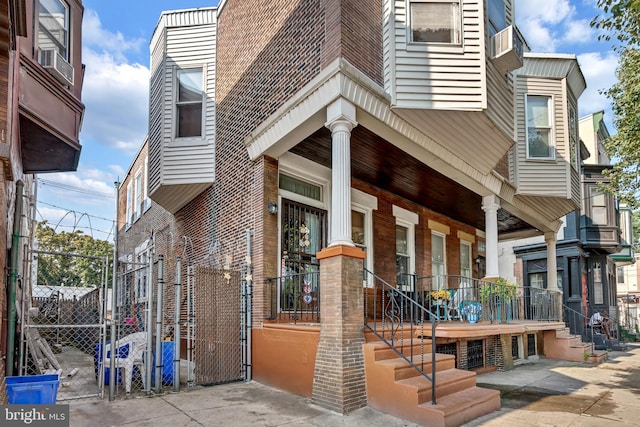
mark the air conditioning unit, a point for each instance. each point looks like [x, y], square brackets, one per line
[507, 49]
[56, 65]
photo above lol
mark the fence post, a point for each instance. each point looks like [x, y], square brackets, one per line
[158, 376]
[176, 328]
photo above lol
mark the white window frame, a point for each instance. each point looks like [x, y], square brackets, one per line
[468, 247]
[62, 49]
[177, 103]
[444, 256]
[551, 154]
[495, 27]
[366, 204]
[145, 197]
[409, 220]
[457, 31]
[128, 210]
[138, 180]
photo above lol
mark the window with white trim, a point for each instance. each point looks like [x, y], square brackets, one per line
[138, 192]
[141, 277]
[438, 260]
[598, 291]
[53, 26]
[465, 259]
[540, 143]
[129, 210]
[497, 16]
[189, 103]
[434, 21]
[598, 202]
[405, 247]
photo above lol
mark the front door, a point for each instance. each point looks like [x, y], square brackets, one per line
[303, 233]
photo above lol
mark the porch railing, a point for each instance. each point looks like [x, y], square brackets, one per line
[579, 324]
[452, 297]
[295, 297]
[399, 321]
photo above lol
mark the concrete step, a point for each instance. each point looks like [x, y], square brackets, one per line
[399, 369]
[459, 408]
[447, 382]
[415, 348]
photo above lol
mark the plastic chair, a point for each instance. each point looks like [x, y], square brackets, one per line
[137, 344]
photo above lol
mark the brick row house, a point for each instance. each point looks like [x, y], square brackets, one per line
[41, 74]
[354, 158]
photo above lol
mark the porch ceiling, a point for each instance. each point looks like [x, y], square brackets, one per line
[380, 163]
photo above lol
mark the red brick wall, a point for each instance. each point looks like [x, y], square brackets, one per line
[384, 235]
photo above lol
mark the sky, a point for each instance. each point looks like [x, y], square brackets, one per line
[116, 35]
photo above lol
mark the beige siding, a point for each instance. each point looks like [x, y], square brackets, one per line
[183, 39]
[451, 78]
[543, 177]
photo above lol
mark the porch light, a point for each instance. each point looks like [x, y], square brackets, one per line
[273, 208]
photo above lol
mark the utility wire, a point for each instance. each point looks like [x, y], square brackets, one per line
[54, 184]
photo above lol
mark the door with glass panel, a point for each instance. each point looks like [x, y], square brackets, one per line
[303, 234]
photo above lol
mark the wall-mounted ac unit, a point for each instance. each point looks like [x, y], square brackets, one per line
[507, 49]
[56, 65]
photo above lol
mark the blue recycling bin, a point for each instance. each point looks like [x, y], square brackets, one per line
[168, 352]
[33, 389]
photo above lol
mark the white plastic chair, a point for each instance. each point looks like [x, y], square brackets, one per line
[137, 343]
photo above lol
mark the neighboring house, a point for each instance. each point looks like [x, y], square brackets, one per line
[590, 246]
[41, 75]
[319, 145]
[629, 295]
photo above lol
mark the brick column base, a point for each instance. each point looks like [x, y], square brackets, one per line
[338, 380]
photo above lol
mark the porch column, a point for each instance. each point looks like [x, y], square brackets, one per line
[338, 379]
[490, 206]
[552, 261]
[341, 118]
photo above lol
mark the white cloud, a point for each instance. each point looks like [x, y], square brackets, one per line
[116, 97]
[578, 31]
[599, 69]
[95, 37]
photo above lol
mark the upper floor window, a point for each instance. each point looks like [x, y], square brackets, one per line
[434, 21]
[497, 16]
[539, 128]
[598, 201]
[129, 209]
[189, 103]
[53, 27]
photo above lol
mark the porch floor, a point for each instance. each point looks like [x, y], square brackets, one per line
[451, 329]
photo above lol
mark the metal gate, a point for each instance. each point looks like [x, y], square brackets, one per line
[219, 343]
[62, 320]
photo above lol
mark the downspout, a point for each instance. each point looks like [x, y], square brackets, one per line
[11, 291]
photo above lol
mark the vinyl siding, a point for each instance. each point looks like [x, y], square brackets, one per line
[543, 177]
[184, 39]
[446, 78]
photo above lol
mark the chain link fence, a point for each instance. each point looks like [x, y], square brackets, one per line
[62, 322]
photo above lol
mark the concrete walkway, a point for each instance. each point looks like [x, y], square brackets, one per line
[540, 393]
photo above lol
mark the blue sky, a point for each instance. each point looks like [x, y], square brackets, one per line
[116, 37]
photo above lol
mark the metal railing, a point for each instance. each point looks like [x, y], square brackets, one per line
[399, 321]
[449, 296]
[579, 324]
[295, 297]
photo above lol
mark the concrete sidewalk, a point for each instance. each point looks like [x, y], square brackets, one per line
[540, 393]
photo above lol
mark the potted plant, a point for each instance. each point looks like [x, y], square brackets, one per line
[497, 294]
[472, 311]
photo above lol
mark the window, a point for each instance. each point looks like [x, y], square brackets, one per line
[497, 16]
[145, 174]
[358, 230]
[539, 130]
[435, 21]
[141, 277]
[300, 187]
[598, 202]
[438, 260]
[536, 280]
[138, 194]
[189, 103]
[620, 274]
[129, 204]
[53, 27]
[403, 257]
[598, 293]
[465, 259]
[573, 137]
